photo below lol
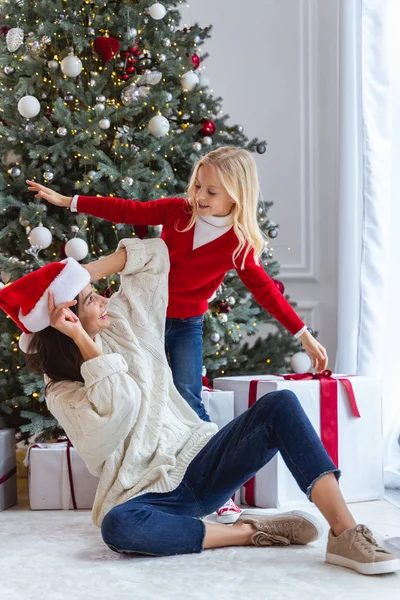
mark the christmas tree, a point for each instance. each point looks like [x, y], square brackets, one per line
[108, 98]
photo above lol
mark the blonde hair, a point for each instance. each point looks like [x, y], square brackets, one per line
[237, 171]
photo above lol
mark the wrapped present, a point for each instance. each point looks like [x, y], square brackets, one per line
[219, 405]
[58, 478]
[345, 411]
[8, 469]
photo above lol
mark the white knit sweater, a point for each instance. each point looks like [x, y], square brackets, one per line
[127, 420]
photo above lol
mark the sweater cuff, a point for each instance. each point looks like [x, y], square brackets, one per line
[74, 204]
[99, 368]
[299, 333]
[135, 255]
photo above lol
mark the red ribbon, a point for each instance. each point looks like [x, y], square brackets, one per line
[8, 475]
[69, 464]
[328, 414]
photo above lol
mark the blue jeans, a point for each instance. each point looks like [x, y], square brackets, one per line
[169, 523]
[184, 349]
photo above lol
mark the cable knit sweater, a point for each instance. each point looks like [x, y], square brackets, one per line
[127, 420]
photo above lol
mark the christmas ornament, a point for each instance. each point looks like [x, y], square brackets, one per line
[92, 174]
[130, 94]
[215, 337]
[76, 248]
[189, 81]
[204, 81]
[40, 237]
[231, 301]
[261, 148]
[24, 222]
[158, 126]
[207, 127]
[53, 64]
[279, 286]
[99, 107]
[168, 97]
[166, 42]
[162, 58]
[157, 11]
[222, 317]
[197, 39]
[127, 180]
[203, 106]
[195, 61]
[131, 33]
[207, 141]
[68, 97]
[48, 176]
[62, 131]
[90, 31]
[4, 30]
[240, 128]
[30, 127]
[100, 99]
[71, 66]
[14, 39]
[300, 362]
[273, 232]
[75, 228]
[15, 172]
[197, 146]
[104, 123]
[8, 70]
[29, 107]
[151, 78]
[106, 47]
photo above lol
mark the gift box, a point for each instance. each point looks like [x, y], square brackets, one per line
[8, 469]
[219, 405]
[346, 412]
[58, 478]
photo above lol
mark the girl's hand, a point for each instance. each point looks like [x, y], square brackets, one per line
[48, 194]
[316, 352]
[63, 319]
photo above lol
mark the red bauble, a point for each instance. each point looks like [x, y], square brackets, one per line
[4, 30]
[195, 61]
[279, 285]
[106, 47]
[124, 76]
[125, 54]
[130, 69]
[134, 50]
[208, 127]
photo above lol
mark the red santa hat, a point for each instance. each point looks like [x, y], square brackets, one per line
[26, 300]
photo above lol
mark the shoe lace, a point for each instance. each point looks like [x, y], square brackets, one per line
[285, 532]
[365, 540]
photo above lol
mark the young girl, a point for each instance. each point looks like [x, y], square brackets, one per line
[213, 231]
[161, 467]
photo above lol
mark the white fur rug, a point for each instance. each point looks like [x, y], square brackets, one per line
[60, 556]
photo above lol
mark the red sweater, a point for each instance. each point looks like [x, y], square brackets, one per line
[194, 274]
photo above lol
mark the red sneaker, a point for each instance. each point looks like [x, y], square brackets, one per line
[228, 513]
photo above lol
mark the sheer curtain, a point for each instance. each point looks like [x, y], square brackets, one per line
[369, 205]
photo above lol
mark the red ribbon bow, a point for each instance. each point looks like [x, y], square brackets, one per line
[328, 413]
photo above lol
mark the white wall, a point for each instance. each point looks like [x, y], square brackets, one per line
[274, 62]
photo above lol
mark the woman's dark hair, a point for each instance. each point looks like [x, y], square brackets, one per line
[55, 354]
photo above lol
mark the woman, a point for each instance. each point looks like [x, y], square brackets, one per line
[161, 467]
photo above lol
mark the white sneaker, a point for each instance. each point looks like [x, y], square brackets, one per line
[228, 513]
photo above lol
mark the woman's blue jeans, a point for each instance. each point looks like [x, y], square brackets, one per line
[184, 349]
[169, 523]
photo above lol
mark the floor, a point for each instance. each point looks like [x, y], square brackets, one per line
[60, 555]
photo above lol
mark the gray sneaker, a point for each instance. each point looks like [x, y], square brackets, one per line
[357, 549]
[283, 529]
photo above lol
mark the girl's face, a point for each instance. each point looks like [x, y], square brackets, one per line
[92, 311]
[211, 197]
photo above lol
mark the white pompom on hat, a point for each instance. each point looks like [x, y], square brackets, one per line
[26, 300]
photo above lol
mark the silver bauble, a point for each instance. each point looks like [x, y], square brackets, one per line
[127, 180]
[62, 131]
[15, 172]
[8, 70]
[48, 176]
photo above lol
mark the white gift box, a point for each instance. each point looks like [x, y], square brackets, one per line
[219, 405]
[8, 469]
[52, 485]
[360, 439]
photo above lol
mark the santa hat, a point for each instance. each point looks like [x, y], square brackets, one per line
[26, 300]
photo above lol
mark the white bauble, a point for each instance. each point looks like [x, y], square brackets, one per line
[158, 126]
[204, 81]
[71, 66]
[300, 362]
[207, 140]
[189, 81]
[157, 11]
[29, 107]
[76, 248]
[197, 146]
[105, 123]
[222, 317]
[40, 236]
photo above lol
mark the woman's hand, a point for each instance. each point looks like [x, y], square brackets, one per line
[49, 195]
[316, 352]
[63, 319]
